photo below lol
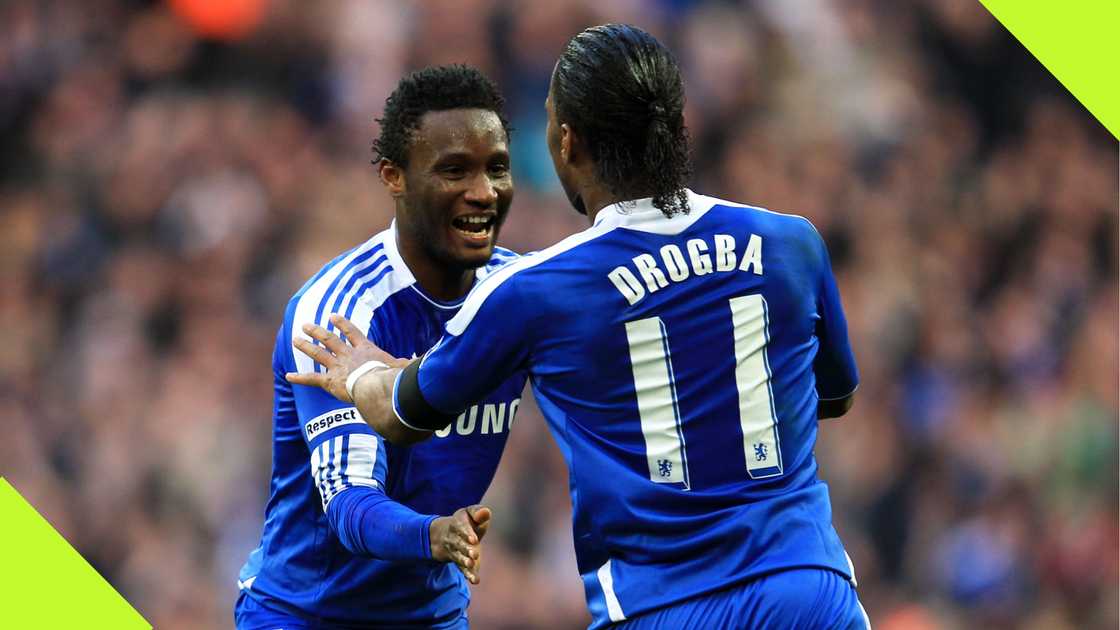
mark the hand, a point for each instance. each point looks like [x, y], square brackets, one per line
[458, 538]
[337, 356]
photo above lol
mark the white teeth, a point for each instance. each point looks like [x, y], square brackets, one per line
[475, 225]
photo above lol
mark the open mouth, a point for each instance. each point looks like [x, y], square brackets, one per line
[475, 227]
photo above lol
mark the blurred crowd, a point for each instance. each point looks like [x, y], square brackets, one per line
[171, 173]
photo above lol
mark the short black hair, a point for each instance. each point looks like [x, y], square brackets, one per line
[621, 90]
[432, 89]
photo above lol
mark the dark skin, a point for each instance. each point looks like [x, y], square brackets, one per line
[575, 169]
[458, 167]
[456, 538]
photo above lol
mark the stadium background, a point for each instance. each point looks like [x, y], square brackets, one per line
[170, 175]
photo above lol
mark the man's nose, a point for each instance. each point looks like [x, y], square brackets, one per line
[481, 191]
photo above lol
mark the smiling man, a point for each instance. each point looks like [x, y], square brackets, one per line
[359, 532]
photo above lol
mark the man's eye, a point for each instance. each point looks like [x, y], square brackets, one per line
[499, 169]
[452, 171]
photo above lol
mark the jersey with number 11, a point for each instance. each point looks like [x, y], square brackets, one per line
[679, 363]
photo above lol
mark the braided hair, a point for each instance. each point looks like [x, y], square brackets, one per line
[621, 90]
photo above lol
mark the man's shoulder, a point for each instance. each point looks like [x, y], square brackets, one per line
[353, 284]
[334, 268]
[347, 276]
[735, 211]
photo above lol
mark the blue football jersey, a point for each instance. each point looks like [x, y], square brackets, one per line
[322, 448]
[679, 363]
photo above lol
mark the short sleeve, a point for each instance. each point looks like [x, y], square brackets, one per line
[835, 365]
[344, 450]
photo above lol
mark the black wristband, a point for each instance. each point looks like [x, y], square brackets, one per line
[414, 410]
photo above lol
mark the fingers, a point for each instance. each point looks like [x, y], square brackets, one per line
[317, 353]
[465, 526]
[326, 337]
[353, 334]
[467, 557]
[471, 576]
[463, 545]
[358, 338]
[480, 516]
[469, 567]
[310, 378]
[455, 539]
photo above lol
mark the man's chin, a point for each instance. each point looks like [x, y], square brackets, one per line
[471, 258]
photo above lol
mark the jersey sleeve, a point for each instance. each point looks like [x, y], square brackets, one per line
[344, 450]
[348, 459]
[835, 365]
[483, 345]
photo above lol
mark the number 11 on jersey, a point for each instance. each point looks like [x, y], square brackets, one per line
[658, 408]
[757, 418]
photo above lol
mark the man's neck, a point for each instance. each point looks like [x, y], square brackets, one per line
[441, 282]
[596, 198]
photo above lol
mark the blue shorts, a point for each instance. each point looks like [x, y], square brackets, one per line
[805, 599]
[249, 614]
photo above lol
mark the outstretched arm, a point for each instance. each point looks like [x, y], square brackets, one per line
[357, 371]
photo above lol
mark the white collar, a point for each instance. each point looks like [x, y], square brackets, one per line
[643, 216]
[404, 274]
[393, 253]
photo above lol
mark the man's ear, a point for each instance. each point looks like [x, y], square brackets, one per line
[392, 176]
[567, 143]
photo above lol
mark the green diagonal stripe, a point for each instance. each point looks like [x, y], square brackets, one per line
[1078, 42]
[44, 583]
